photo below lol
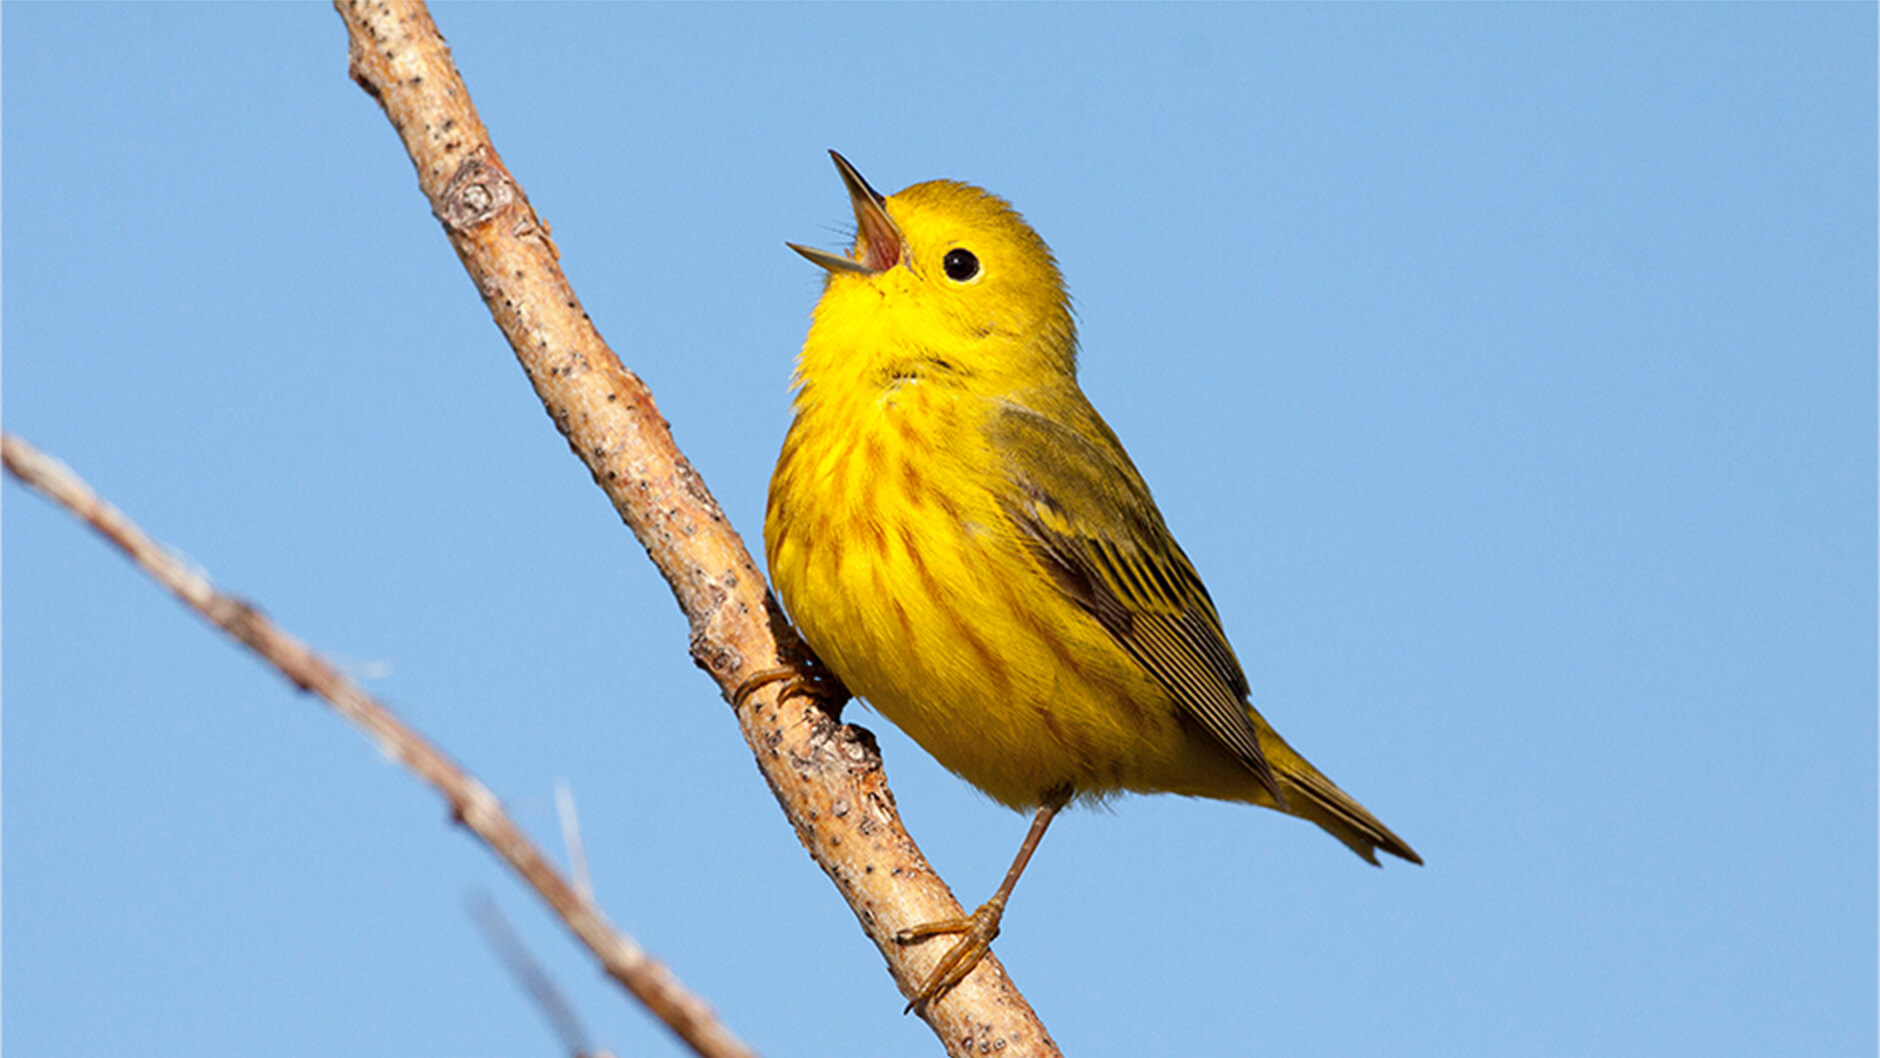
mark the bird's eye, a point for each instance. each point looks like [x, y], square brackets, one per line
[960, 265]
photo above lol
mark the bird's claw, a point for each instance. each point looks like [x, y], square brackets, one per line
[978, 932]
[805, 677]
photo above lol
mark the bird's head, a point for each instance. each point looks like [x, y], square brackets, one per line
[946, 277]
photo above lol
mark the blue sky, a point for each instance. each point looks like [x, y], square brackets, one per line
[1508, 372]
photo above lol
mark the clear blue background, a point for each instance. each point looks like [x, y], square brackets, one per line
[1508, 371]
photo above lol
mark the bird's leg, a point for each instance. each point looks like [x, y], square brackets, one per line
[806, 675]
[981, 926]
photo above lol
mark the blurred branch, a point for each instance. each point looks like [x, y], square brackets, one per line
[826, 775]
[571, 840]
[471, 803]
[529, 975]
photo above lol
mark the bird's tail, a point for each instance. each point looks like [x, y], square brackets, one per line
[1310, 795]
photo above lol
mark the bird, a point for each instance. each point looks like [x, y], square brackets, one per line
[964, 544]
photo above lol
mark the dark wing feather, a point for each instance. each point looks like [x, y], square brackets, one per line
[1083, 506]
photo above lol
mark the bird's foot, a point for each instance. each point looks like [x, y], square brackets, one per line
[807, 676]
[976, 933]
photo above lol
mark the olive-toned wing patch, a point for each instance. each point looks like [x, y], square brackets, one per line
[1084, 507]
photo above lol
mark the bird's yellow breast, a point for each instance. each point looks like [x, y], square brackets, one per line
[888, 544]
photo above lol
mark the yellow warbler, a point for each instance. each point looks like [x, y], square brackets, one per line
[965, 544]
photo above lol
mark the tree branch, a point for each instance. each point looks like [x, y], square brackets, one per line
[826, 775]
[471, 803]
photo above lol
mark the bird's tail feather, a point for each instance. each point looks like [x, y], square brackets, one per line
[1310, 795]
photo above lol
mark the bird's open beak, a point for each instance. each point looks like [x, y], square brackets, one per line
[877, 237]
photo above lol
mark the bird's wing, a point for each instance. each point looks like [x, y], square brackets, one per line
[1081, 504]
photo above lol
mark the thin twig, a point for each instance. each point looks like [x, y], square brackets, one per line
[471, 803]
[529, 975]
[571, 840]
[826, 775]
